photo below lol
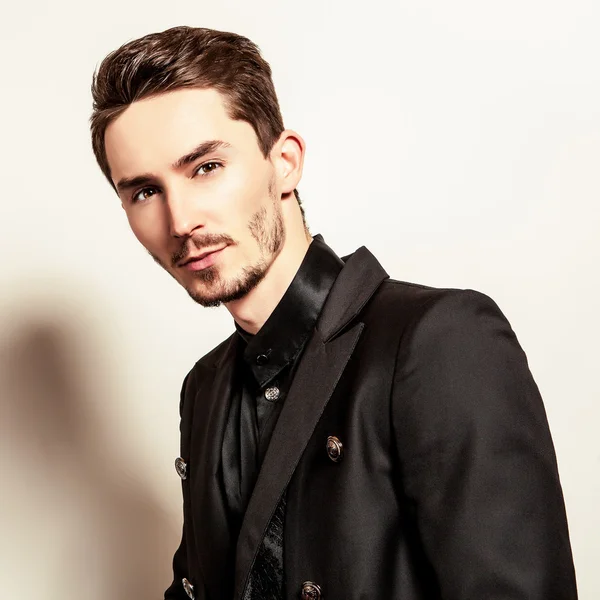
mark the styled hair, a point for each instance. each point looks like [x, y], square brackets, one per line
[187, 57]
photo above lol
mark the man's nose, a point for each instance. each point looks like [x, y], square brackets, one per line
[184, 214]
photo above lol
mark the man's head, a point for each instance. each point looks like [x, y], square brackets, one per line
[187, 128]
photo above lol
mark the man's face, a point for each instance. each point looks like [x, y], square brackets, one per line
[197, 191]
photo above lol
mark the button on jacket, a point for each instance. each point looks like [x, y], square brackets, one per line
[447, 486]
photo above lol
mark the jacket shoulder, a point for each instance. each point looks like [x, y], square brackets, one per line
[414, 298]
[210, 360]
[404, 307]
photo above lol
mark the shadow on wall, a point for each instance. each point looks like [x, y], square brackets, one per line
[79, 523]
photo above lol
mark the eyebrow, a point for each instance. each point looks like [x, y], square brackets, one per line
[203, 149]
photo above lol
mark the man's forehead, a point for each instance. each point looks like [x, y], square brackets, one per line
[154, 132]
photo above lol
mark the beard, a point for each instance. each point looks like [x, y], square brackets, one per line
[214, 290]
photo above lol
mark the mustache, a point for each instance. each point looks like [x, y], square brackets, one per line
[199, 242]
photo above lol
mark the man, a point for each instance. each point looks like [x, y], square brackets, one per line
[356, 437]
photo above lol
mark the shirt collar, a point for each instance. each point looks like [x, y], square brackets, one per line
[282, 337]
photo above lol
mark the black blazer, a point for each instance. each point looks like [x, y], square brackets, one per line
[448, 484]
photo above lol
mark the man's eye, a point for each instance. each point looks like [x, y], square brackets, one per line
[143, 195]
[208, 168]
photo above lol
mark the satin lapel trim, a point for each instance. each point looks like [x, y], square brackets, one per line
[318, 373]
[211, 528]
[355, 285]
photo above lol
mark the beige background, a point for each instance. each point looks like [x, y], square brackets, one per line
[459, 141]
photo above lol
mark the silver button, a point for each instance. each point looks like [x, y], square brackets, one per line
[335, 449]
[188, 587]
[272, 393]
[310, 591]
[181, 467]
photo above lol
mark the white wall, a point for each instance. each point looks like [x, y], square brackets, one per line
[459, 141]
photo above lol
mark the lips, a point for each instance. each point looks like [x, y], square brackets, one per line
[198, 257]
[202, 260]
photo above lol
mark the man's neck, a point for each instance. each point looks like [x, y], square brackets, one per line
[252, 311]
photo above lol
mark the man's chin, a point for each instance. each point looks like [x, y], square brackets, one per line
[205, 297]
[223, 293]
[213, 300]
[204, 301]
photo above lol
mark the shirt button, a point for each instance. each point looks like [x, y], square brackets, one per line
[262, 359]
[310, 591]
[272, 393]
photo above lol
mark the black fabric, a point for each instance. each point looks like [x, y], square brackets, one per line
[267, 579]
[267, 361]
[448, 486]
[285, 332]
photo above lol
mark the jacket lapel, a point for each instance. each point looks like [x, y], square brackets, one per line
[319, 371]
[212, 402]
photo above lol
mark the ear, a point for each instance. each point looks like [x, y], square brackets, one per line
[288, 157]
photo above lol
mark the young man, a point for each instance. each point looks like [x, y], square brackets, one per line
[356, 437]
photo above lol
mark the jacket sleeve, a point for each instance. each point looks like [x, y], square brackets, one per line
[477, 459]
[180, 568]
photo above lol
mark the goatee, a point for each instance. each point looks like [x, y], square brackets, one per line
[269, 236]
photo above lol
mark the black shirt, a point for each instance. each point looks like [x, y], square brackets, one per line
[266, 364]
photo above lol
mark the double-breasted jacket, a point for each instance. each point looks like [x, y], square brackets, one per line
[441, 481]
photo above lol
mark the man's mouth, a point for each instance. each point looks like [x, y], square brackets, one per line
[201, 260]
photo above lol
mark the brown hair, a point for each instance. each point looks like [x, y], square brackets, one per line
[183, 57]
